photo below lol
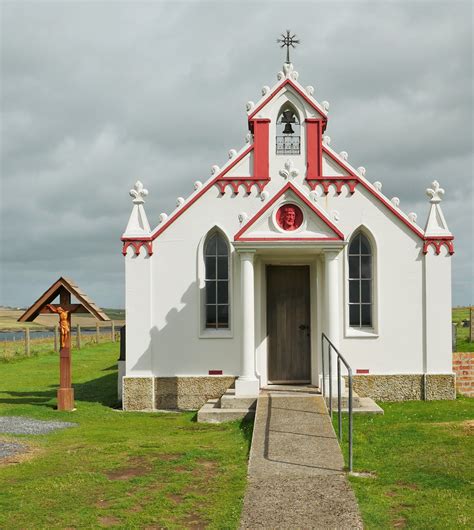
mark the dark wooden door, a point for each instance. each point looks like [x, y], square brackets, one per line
[288, 324]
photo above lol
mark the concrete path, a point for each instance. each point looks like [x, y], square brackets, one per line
[295, 473]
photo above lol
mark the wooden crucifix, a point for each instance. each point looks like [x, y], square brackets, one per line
[65, 289]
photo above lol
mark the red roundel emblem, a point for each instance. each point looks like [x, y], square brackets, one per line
[289, 217]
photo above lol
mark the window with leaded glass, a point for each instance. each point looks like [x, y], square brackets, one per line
[216, 257]
[360, 282]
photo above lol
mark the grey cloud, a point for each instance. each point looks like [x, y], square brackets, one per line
[98, 94]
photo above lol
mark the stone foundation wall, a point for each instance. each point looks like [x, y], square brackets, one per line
[463, 367]
[405, 387]
[172, 393]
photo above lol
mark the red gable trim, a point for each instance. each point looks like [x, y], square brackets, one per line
[295, 87]
[369, 189]
[289, 187]
[193, 200]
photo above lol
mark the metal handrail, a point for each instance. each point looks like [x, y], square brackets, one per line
[340, 358]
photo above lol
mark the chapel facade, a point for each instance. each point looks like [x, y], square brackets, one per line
[286, 241]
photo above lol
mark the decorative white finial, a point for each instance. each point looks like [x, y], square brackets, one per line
[335, 215]
[249, 105]
[248, 137]
[326, 139]
[361, 170]
[314, 194]
[395, 201]
[264, 195]
[163, 217]
[232, 153]
[378, 185]
[289, 170]
[413, 217]
[435, 192]
[344, 155]
[310, 90]
[265, 90]
[325, 105]
[138, 193]
[197, 185]
[215, 169]
[242, 217]
[179, 202]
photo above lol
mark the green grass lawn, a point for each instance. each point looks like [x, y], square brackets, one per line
[421, 457]
[462, 334]
[133, 470]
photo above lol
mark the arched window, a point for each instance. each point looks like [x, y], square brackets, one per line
[360, 282]
[288, 131]
[216, 257]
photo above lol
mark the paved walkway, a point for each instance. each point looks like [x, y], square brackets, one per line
[295, 474]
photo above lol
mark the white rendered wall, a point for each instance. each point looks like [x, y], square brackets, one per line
[437, 271]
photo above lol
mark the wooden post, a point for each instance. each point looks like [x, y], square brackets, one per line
[78, 337]
[65, 391]
[113, 331]
[56, 345]
[27, 341]
[471, 325]
[97, 332]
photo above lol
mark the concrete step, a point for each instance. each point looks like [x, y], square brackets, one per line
[230, 401]
[366, 405]
[344, 400]
[211, 412]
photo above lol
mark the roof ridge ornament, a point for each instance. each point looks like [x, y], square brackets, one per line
[435, 193]
[288, 40]
[436, 225]
[138, 192]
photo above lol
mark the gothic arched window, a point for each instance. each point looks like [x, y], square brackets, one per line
[288, 131]
[360, 282]
[216, 258]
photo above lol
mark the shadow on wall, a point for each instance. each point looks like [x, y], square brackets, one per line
[178, 323]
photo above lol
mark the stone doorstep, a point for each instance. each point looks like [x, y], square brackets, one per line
[230, 401]
[211, 412]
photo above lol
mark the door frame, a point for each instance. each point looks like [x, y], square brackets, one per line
[316, 303]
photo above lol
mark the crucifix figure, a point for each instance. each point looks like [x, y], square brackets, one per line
[64, 326]
[288, 40]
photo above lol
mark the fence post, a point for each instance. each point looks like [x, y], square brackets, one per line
[453, 336]
[27, 341]
[471, 325]
[78, 337]
[113, 331]
[97, 332]
[56, 345]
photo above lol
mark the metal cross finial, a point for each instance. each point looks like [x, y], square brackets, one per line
[288, 40]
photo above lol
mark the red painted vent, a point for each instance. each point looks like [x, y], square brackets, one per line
[215, 372]
[362, 371]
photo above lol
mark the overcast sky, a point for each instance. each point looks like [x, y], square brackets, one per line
[97, 94]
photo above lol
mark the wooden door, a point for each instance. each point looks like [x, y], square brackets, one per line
[288, 324]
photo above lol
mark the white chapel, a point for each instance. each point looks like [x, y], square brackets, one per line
[285, 241]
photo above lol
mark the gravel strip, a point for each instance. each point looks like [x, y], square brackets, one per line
[11, 448]
[20, 425]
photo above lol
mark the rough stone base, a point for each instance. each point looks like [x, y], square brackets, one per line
[172, 393]
[405, 387]
[137, 393]
[189, 393]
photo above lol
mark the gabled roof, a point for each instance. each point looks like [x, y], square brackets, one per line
[88, 306]
[338, 235]
[310, 100]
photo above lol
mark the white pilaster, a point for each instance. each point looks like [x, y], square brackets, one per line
[247, 384]
[333, 324]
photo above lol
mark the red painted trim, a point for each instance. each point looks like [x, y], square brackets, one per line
[236, 182]
[437, 243]
[337, 182]
[288, 187]
[340, 162]
[235, 162]
[314, 161]
[362, 371]
[261, 166]
[215, 372]
[300, 92]
[137, 244]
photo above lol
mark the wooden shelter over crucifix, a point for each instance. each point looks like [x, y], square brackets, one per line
[66, 289]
